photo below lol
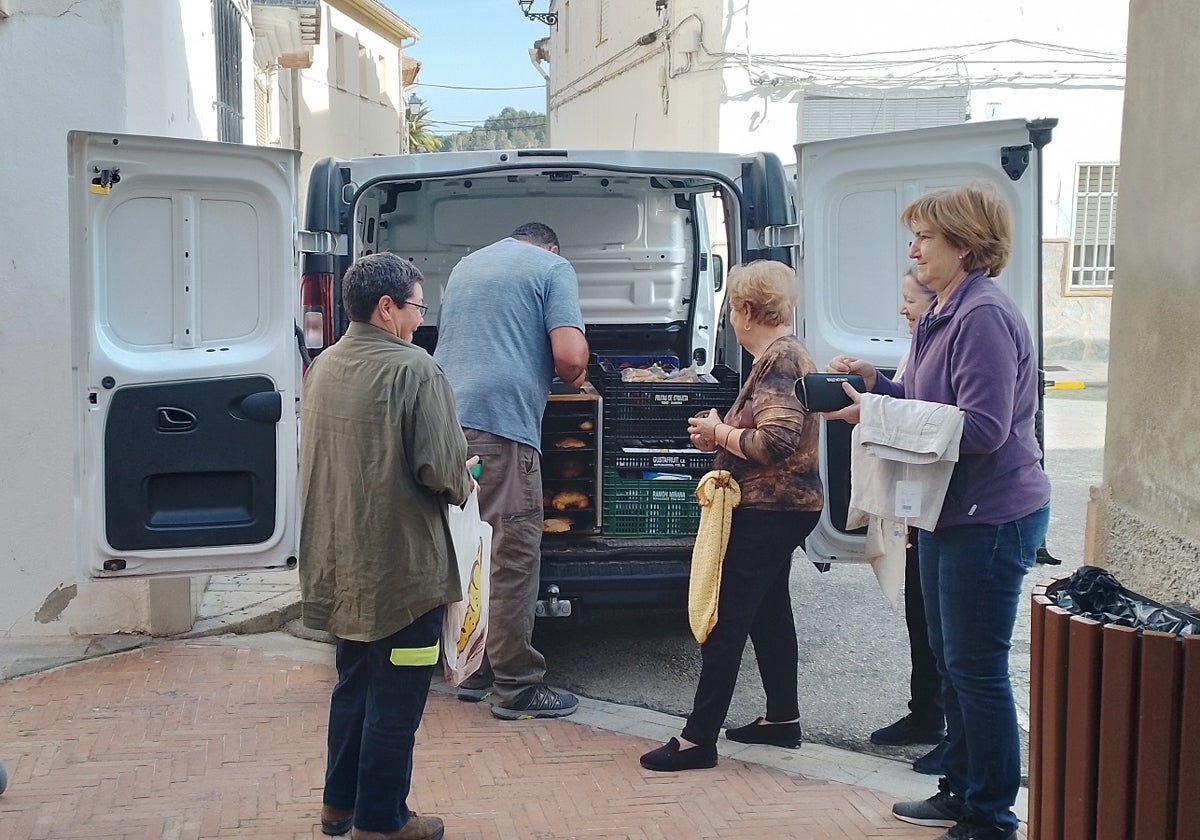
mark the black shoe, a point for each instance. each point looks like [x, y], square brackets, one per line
[909, 730]
[968, 830]
[668, 758]
[943, 810]
[774, 734]
[930, 764]
[538, 701]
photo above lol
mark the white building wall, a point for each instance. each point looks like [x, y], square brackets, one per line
[354, 110]
[608, 91]
[114, 66]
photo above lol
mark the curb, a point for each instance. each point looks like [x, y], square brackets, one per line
[264, 617]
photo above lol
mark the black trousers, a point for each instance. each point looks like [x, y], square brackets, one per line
[755, 602]
[925, 686]
[374, 713]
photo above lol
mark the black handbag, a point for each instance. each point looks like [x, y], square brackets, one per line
[820, 392]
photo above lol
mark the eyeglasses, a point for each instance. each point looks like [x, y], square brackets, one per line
[422, 308]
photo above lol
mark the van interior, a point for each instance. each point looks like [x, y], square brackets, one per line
[641, 245]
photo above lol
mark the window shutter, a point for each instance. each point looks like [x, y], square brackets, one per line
[829, 117]
[261, 123]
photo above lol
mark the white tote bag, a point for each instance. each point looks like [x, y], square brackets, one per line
[464, 632]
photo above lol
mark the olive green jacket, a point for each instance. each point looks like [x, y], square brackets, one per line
[381, 457]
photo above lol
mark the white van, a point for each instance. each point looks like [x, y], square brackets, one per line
[195, 296]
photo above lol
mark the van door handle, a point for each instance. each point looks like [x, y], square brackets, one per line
[263, 407]
[171, 419]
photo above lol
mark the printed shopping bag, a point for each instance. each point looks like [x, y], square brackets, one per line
[464, 632]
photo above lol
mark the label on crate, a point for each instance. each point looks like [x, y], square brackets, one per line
[672, 399]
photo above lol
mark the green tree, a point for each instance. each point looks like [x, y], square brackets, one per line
[419, 138]
[510, 129]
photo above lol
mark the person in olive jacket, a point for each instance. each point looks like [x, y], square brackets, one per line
[381, 458]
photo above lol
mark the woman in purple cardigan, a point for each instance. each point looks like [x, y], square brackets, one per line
[973, 350]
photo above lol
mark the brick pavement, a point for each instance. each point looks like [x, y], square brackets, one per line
[216, 738]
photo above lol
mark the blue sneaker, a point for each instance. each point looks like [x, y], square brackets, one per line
[538, 701]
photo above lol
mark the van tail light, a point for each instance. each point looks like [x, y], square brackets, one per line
[316, 310]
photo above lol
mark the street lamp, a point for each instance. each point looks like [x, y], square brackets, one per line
[548, 18]
[415, 104]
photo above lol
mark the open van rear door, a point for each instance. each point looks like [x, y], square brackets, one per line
[186, 366]
[851, 193]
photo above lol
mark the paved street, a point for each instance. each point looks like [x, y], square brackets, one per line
[224, 738]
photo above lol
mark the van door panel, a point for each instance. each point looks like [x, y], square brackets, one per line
[188, 465]
[183, 303]
[852, 192]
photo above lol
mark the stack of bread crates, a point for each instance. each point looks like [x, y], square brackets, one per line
[650, 467]
[570, 465]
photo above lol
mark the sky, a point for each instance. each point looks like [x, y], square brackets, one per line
[467, 47]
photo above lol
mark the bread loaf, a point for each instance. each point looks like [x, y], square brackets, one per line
[569, 500]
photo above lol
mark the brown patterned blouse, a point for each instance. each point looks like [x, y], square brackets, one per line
[779, 439]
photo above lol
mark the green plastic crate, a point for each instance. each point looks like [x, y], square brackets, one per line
[649, 508]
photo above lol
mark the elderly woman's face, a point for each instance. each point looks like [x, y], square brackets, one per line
[914, 300]
[939, 262]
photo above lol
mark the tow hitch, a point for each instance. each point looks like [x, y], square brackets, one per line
[552, 607]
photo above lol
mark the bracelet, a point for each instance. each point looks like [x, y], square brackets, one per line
[728, 435]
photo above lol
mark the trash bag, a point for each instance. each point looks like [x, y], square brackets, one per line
[1095, 593]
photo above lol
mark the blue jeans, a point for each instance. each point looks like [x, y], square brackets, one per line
[971, 575]
[373, 717]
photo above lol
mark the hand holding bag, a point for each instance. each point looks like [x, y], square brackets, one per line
[464, 631]
[820, 392]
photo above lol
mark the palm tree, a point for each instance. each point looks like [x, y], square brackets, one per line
[419, 138]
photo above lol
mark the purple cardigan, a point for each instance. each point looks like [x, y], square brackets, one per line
[977, 354]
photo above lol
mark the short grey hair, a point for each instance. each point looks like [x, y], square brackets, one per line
[373, 276]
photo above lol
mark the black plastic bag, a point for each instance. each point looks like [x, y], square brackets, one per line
[1094, 593]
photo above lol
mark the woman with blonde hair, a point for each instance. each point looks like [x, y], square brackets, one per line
[973, 350]
[769, 444]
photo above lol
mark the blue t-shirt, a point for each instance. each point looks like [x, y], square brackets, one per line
[497, 311]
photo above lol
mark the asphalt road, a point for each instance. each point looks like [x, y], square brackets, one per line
[853, 645]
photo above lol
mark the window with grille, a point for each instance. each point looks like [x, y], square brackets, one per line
[227, 35]
[1094, 245]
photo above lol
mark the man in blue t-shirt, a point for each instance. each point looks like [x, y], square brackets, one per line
[509, 321]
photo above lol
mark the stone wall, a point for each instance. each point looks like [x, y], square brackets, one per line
[1075, 327]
